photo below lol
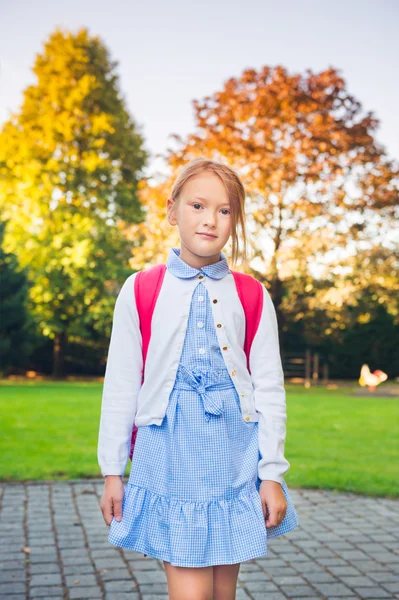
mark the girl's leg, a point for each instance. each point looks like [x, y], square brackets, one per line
[225, 581]
[186, 583]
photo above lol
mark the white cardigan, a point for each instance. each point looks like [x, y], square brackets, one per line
[125, 400]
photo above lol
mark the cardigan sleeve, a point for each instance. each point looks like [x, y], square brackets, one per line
[269, 393]
[122, 382]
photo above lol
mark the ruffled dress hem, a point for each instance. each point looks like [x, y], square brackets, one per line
[209, 533]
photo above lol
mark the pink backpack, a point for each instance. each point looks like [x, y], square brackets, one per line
[147, 285]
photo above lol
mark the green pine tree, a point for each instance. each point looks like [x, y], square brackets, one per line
[16, 330]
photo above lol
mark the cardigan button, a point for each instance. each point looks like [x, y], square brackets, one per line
[219, 325]
[247, 418]
[224, 347]
[200, 277]
[233, 372]
[215, 300]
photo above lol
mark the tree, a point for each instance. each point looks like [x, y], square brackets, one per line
[155, 235]
[16, 332]
[70, 162]
[318, 183]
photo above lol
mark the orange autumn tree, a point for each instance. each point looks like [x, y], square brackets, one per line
[317, 179]
[152, 238]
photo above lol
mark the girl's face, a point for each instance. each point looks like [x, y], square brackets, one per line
[204, 207]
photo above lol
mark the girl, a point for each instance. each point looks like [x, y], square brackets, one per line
[206, 487]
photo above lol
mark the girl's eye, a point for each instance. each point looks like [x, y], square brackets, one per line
[227, 211]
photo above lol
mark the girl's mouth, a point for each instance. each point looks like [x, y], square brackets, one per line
[207, 235]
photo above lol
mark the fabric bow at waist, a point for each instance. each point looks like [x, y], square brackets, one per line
[201, 383]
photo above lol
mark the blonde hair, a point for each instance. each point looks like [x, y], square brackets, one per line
[235, 191]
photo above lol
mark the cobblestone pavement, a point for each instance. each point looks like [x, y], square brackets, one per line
[53, 544]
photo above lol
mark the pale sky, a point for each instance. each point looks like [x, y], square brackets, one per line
[171, 52]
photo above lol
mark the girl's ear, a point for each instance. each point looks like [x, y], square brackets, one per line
[170, 212]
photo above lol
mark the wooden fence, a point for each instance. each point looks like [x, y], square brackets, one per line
[306, 368]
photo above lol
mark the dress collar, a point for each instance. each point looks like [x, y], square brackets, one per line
[181, 269]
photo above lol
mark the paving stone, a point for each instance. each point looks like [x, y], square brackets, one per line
[77, 570]
[283, 580]
[331, 590]
[46, 568]
[120, 586]
[15, 587]
[47, 591]
[131, 596]
[300, 591]
[106, 552]
[272, 596]
[88, 580]
[272, 562]
[369, 566]
[329, 562]
[42, 558]
[110, 563]
[307, 567]
[369, 592]
[360, 580]
[386, 557]
[344, 571]
[10, 576]
[154, 588]
[84, 593]
[351, 555]
[321, 577]
[75, 553]
[14, 563]
[282, 571]
[252, 575]
[261, 586]
[384, 576]
[115, 574]
[71, 561]
[42, 579]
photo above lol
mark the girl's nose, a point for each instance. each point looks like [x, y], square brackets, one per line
[210, 221]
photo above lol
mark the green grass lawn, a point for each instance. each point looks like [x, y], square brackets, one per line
[334, 440]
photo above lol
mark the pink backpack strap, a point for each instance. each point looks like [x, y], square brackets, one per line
[147, 285]
[250, 292]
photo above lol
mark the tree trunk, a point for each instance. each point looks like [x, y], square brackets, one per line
[59, 354]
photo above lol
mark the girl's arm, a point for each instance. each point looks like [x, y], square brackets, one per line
[270, 401]
[122, 383]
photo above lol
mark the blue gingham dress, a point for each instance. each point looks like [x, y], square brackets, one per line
[192, 496]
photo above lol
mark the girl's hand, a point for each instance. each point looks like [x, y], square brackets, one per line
[111, 502]
[273, 500]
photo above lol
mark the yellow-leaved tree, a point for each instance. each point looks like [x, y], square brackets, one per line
[71, 158]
